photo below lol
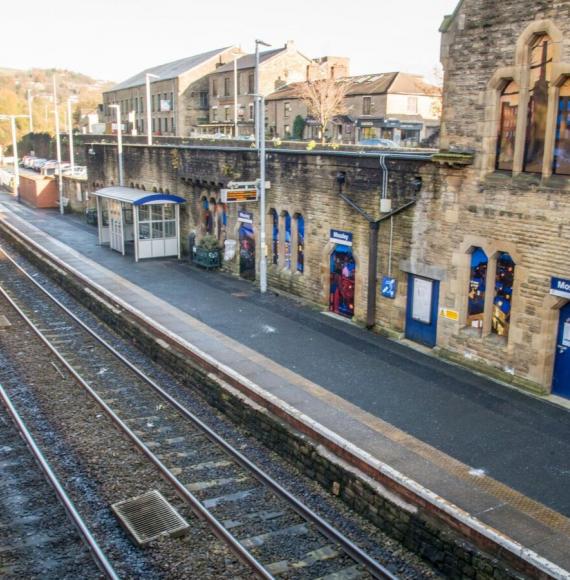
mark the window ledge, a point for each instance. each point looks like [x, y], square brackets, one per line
[526, 180]
[471, 332]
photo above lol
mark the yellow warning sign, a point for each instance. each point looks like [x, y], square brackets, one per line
[449, 314]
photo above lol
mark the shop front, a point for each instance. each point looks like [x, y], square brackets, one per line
[391, 129]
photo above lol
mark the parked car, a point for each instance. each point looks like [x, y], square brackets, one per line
[64, 167]
[380, 143]
[49, 167]
[28, 161]
[77, 171]
[38, 164]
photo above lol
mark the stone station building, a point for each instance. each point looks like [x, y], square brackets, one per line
[474, 263]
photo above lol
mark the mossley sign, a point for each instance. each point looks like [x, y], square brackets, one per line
[343, 238]
[560, 287]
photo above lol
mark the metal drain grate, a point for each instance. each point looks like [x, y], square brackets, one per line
[149, 516]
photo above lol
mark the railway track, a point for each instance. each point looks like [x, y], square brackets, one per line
[267, 528]
[30, 545]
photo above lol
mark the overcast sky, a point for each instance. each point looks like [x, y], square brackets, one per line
[114, 39]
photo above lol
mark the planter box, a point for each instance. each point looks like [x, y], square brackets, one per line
[206, 258]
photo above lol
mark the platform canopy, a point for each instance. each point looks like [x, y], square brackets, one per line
[137, 196]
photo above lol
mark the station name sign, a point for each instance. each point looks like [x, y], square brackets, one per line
[245, 217]
[340, 237]
[560, 287]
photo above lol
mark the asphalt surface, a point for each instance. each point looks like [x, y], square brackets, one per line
[517, 439]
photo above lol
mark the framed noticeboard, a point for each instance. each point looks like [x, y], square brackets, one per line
[421, 304]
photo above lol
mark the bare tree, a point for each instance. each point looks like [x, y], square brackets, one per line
[324, 99]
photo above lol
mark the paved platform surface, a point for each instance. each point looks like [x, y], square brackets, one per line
[499, 454]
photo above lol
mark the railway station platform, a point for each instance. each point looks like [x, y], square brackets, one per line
[489, 455]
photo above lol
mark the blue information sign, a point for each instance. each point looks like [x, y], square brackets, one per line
[560, 287]
[389, 287]
[340, 237]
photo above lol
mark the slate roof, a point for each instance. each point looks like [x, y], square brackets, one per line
[392, 82]
[248, 60]
[170, 70]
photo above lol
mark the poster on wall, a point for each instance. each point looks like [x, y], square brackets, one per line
[421, 305]
[566, 334]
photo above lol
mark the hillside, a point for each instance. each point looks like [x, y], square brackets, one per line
[14, 86]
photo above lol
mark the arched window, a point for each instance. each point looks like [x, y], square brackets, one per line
[274, 236]
[287, 245]
[300, 243]
[509, 106]
[540, 64]
[562, 149]
[504, 281]
[477, 288]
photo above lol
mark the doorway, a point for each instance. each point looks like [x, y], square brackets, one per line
[561, 377]
[246, 251]
[342, 281]
[421, 311]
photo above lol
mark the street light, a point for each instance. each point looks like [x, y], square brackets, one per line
[70, 128]
[260, 140]
[117, 108]
[12, 119]
[30, 110]
[257, 113]
[58, 147]
[148, 76]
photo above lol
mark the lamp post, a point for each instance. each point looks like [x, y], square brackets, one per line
[260, 140]
[70, 128]
[58, 147]
[30, 111]
[235, 98]
[148, 76]
[257, 113]
[117, 108]
[12, 119]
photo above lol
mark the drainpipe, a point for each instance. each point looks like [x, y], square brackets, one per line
[374, 230]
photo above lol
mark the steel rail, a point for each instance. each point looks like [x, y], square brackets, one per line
[192, 501]
[91, 543]
[373, 567]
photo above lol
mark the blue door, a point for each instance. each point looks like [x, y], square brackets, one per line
[421, 312]
[561, 379]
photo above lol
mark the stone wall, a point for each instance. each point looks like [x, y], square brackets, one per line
[525, 214]
[301, 184]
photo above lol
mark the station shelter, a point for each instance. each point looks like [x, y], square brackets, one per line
[149, 222]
